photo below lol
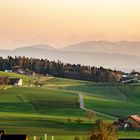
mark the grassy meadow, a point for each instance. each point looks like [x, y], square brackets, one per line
[116, 100]
[36, 111]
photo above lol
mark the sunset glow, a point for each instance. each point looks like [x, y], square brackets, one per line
[62, 22]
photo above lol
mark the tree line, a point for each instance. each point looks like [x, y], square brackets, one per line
[59, 69]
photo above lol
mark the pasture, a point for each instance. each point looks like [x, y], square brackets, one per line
[36, 111]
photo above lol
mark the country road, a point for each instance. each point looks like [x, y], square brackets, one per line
[81, 100]
[82, 106]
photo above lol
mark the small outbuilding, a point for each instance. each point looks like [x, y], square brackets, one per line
[16, 81]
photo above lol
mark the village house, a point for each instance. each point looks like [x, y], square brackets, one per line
[133, 77]
[16, 81]
[8, 71]
[132, 121]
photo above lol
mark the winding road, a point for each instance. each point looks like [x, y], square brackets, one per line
[81, 100]
[82, 106]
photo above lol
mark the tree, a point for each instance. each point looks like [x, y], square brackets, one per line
[37, 82]
[59, 69]
[79, 120]
[103, 131]
[69, 120]
[76, 138]
[4, 80]
[90, 114]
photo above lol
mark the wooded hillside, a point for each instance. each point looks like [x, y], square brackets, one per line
[59, 69]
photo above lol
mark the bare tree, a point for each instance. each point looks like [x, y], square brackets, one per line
[90, 114]
[38, 82]
[103, 131]
[79, 120]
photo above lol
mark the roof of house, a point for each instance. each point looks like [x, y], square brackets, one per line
[14, 80]
[135, 117]
[13, 137]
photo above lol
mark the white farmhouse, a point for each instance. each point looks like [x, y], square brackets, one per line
[16, 81]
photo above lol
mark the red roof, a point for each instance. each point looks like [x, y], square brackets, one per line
[135, 117]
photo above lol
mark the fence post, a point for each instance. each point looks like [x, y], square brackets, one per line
[45, 136]
[52, 137]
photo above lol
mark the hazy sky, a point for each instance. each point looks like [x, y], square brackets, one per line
[62, 22]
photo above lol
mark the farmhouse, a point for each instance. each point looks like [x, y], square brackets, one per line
[134, 121]
[133, 77]
[16, 81]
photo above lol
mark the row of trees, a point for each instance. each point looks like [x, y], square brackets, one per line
[59, 69]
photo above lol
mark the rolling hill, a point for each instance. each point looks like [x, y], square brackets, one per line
[107, 60]
[36, 111]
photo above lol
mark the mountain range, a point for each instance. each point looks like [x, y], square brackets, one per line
[122, 47]
[115, 55]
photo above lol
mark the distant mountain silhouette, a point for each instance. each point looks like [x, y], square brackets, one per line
[107, 60]
[123, 47]
[39, 46]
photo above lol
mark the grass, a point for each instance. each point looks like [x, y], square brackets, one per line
[36, 111]
[116, 100]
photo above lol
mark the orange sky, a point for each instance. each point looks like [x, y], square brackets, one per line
[62, 22]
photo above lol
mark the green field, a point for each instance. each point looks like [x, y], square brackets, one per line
[117, 100]
[36, 111]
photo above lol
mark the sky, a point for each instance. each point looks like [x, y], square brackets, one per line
[64, 22]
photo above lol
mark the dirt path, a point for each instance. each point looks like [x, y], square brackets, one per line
[81, 100]
[82, 106]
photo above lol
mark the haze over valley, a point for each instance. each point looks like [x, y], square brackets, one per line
[115, 55]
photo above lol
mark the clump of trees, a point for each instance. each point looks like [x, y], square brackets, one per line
[4, 80]
[103, 131]
[59, 69]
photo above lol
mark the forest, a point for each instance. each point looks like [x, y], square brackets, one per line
[59, 69]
